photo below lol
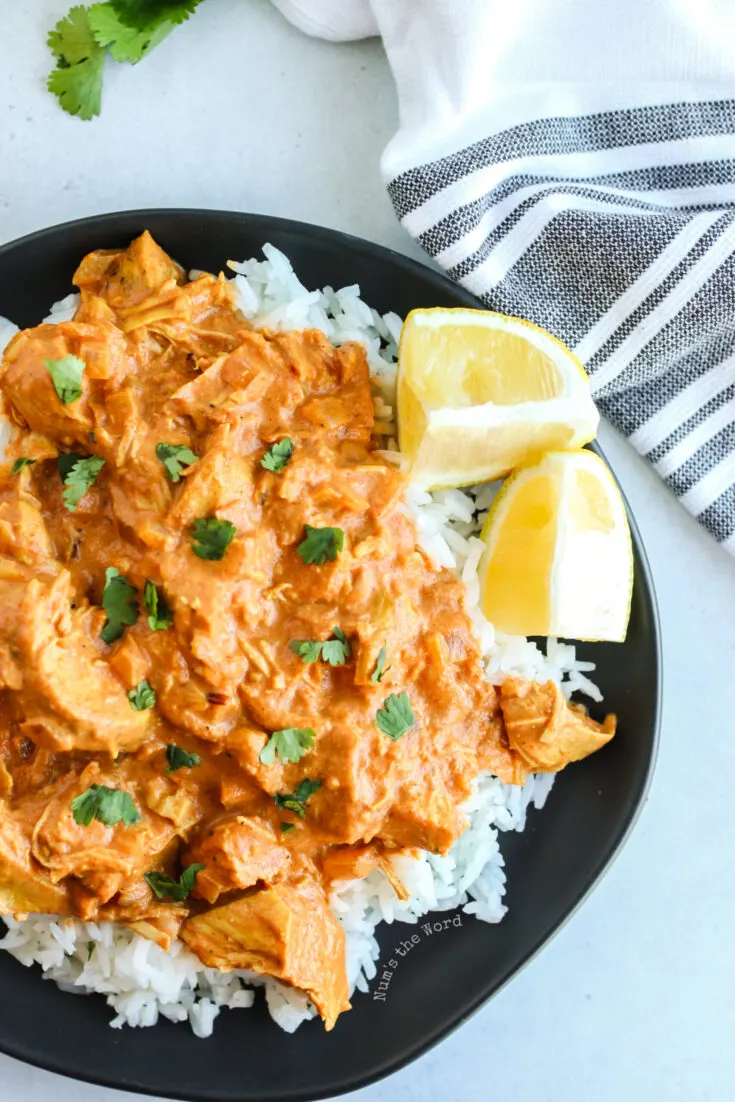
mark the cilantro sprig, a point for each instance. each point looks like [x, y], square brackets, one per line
[78, 476]
[320, 544]
[396, 716]
[166, 887]
[212, 537]
[278, 455]
[290, 744]
[174, 458]
[126, 29]
[118, 601]
[334, 651]
[296, 801]
[108, 805]
[160, 616]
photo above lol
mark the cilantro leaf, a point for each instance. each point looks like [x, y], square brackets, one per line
[306, 788]
[290, 744]
[334, 651]
[19, 464]
[175, 457]
[71, 40]
[143, 697]
[212, 537]
[66, 463]
[320, 544]
[285, 827]
[66, 374]
[380, 667]
[118, 601]
[77, 79]
[308, 650]
[125, 43]
[277, 456]
[78, 89]
[296, 801]
[165, 887]
[180, 759]
[82, 474]
[108, 805]
[396, 716]
[145, 14]
[160, 616]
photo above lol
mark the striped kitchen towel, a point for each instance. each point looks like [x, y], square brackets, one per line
[574, 163]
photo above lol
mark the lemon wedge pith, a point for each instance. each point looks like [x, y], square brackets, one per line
[480, 393]
[558, 557]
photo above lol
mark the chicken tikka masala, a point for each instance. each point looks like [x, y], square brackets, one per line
[229, 674]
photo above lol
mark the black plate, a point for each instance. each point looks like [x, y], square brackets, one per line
[448, 974]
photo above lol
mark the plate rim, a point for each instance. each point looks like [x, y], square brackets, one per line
[261, 223]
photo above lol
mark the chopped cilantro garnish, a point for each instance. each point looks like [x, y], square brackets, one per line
[334, 651]
[180, 759]
[296, 801]
[80, 476]
[66, 463]
[142, 698]
[380, 667]
[285, 827]
[396, 716]
[108, 805]
[308, 650]
[165, 887]
[90, 949]
[320, 544]
[19, 464]
[174, 458]
[118, 601]
[66, 375]
[160, 616]
[278, 455]
[212, 537]
[290, 744]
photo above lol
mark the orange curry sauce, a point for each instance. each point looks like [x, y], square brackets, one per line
[209, 676]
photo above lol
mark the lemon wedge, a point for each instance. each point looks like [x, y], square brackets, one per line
[558, 557]
[480, 393]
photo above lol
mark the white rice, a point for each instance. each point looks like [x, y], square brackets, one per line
[142, 982]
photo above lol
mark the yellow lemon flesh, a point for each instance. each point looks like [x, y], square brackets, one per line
[558, 558]
[480, 393]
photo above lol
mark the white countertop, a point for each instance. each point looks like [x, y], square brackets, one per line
[634, 998]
